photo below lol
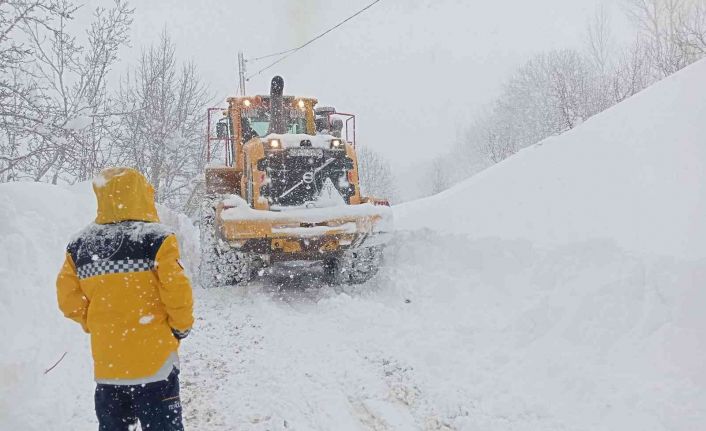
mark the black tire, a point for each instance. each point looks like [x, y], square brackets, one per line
[221, 264]
[353, 266]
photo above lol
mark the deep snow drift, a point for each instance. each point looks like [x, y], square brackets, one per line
[609, 221]
[635, 174]
[560, 290]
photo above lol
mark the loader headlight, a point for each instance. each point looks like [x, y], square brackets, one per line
[336, 144]
[274, 144]
[301, 104]
[246, 103]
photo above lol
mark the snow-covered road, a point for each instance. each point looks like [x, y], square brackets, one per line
[289, 352]
[454, 334]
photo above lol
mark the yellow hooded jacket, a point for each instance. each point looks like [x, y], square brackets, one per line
[123, 282]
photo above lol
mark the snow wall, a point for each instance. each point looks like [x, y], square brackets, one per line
[36, 222]
[584, 269]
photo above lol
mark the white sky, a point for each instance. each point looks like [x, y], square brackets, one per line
[413, 71]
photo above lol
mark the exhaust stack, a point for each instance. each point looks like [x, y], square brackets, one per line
[278, 122]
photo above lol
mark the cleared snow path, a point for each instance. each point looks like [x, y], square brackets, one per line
[292, 353]
[456, 334]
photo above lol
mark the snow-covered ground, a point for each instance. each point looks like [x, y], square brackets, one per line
[36, 223]
[559, 290]
[458, 334]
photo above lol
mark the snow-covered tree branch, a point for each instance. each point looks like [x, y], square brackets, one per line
[56, 109]
[161, 133]
[376, 178]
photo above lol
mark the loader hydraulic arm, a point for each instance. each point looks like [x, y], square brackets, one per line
[234, 113]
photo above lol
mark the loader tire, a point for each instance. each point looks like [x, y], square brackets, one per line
[221, 264]
[353, 266]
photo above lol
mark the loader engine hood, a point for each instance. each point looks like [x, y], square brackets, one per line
[306, 176]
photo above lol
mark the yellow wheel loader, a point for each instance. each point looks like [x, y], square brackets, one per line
[282, 185]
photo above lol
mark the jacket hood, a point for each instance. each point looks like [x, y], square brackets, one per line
[124, 194]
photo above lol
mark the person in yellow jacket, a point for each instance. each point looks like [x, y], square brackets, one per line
[122, 280]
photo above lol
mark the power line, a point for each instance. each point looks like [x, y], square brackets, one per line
[289, 52]
[272, 55]
[319, 36]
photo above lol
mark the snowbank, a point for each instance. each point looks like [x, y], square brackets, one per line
[506, 336]
[635, 174]
[569, 280]
[36, 222]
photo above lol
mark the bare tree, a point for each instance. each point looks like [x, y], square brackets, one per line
[550, 94]
[599, 41]
[556, 91]
[674, 31]
[439, 178]
[161, 133]
[76, 89]
[692, 28]
[486, 140]
[375, 172]
[20, 102]
[632, 72]
[57, 109]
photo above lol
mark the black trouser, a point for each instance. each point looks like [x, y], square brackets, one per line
[156, 405]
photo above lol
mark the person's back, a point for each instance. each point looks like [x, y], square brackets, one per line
[123, 282]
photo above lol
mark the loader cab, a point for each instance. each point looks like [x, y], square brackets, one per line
[259, 119]
[247, 118]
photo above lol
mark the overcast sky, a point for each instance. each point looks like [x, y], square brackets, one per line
[413, 71]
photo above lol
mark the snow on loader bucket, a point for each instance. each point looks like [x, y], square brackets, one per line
[288, 190]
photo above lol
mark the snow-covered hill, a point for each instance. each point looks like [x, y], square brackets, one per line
[560, 290]
[634, 175]
[595, 242]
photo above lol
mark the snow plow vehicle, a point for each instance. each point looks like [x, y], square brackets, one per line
[286, 190]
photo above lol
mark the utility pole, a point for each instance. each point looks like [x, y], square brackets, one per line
[241, 73]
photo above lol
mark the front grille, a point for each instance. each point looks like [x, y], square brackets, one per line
[296, 176]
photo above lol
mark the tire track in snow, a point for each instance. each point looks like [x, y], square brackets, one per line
[213, 368]
[288, 352]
